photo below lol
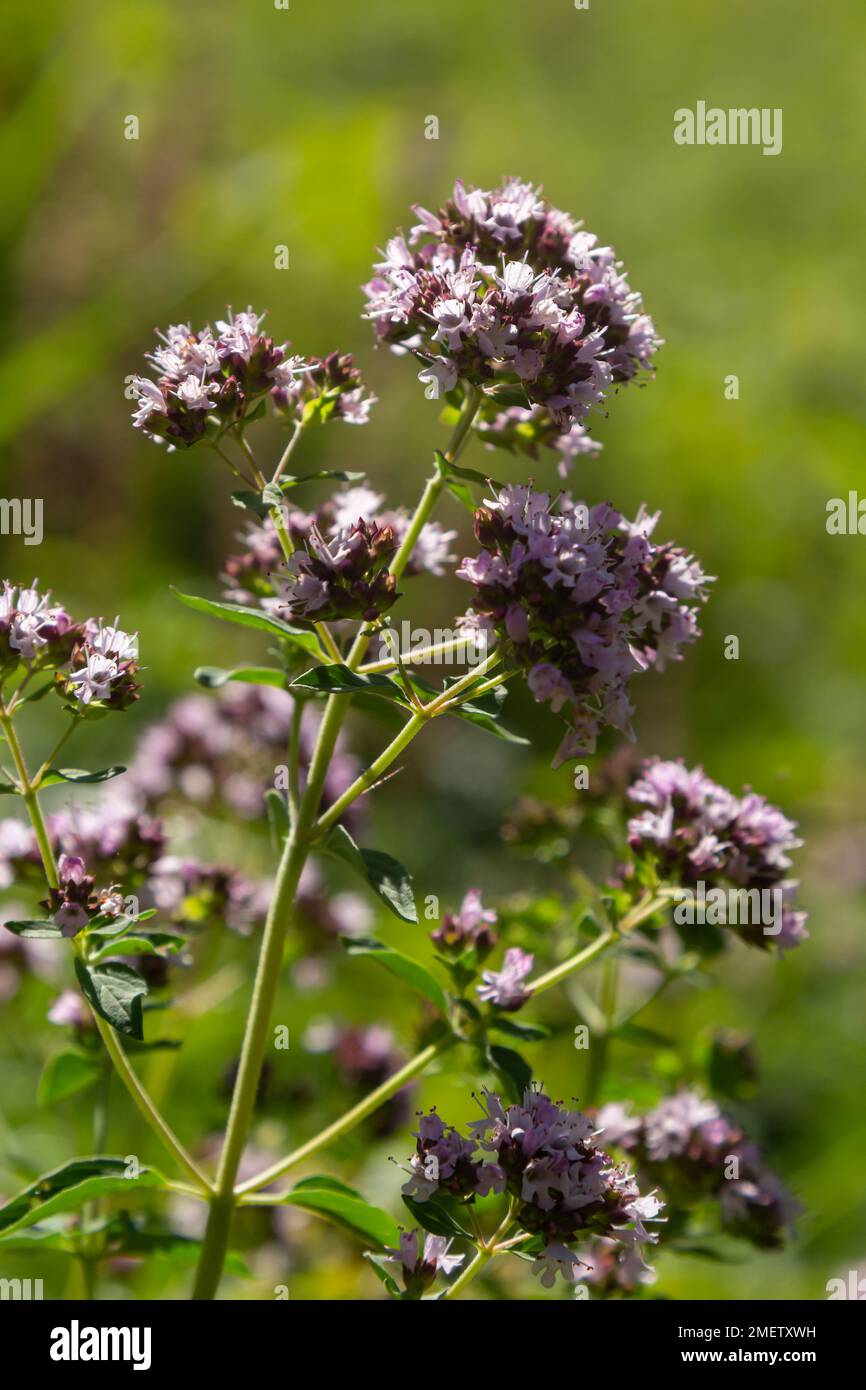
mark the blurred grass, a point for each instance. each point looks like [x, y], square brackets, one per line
[306, 127]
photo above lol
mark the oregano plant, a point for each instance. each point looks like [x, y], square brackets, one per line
[523, 327]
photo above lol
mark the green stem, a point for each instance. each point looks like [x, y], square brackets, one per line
[573, 964]
[217, 1234]
[31, 801]
[482, 1259]
[484, 1256]
[146, 1107]
[352, 1117]
[367, 779]
[420, 655]
[73, 725]
[600, 1049]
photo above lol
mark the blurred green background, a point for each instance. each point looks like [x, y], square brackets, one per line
[306, 127]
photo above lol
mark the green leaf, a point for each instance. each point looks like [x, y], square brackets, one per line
[333, 474]
[39, 931]
[114, 926]
[145, 945]
[251, 617]
[213, 677]
[483, 720]
[75, 774]
[385, 875]
[65, 1074]
[115, 991]
[527, 1032]
[278, 818]
[434, 1216]
[339, 680]
[345, 1207]
[381, 1270]
[414, 974]
[514, 1070]
[251, 502]
[181, 1252]
[466, 475]
[70, 1187]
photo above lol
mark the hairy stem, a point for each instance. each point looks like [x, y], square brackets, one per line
[146, 1107]
[352, 1117]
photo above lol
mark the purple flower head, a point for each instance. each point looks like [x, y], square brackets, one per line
[342, 576]
[33, 630]
[104, 665]
[581, 601]
[73, 902]
[696, 830]
[470, 928]
[545, 1157]
[419, 1266]
[322, 388]
[209, 380]
[504, 292]
[505, 988]
[694, 1151]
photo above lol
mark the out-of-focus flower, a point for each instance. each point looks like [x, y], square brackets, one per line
[581, 600]
[365, 1057]
[218, 752]
[697, 830]
[505, 988]
[470, 928]
[692, 1150]
[504, 292]
[546, 1157]
[70, 1011]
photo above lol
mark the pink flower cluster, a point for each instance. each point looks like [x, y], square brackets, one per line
[503, 291]
[94, 663]
[581, 600]
[545, 1156]
[692, 1150]
[695, 829]
[208, 380]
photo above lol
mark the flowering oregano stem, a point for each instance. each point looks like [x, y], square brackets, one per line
[294, 857]
[106, 1032]
[352, 1117]
[288, 451]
